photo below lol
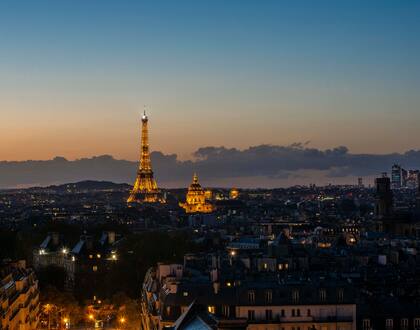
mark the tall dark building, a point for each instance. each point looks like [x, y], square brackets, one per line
[384, 197]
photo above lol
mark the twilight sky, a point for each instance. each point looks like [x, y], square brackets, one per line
[74, 75]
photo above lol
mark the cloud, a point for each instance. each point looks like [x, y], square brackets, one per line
[263, 165]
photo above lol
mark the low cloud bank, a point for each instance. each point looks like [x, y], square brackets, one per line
[258, 166]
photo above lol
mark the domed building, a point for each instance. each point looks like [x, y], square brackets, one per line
[196, 199]
[233, 193]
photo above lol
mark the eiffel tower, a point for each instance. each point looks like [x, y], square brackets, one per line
[145, 189]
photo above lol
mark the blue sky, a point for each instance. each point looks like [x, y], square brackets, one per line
[74, 75]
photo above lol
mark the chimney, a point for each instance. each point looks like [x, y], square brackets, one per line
[111, 237]
[214, 275]
[88, 241]
[55, 237]
[216, 287]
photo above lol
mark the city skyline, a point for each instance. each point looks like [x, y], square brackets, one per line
[209, 164]
[75, 77]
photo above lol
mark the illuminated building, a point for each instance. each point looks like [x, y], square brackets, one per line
[413, 179]
[145, 188]
[398, 177]
[209, 194]
[85, 264]
[234, 193]
[196, 199]
[19, 297]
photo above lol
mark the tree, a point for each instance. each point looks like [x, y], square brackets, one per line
[58, 305]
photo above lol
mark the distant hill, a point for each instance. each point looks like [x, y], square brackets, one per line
[89, 185]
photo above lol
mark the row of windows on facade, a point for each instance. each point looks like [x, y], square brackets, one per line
[269, 314]
[389, 323]
[295, 296]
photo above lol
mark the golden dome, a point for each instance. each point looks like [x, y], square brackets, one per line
[196, 199]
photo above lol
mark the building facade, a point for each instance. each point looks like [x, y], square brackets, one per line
[19, 297]
[196, 201]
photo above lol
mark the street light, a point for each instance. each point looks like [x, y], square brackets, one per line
[66, 322]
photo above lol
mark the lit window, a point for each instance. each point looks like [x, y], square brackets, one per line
[95, 268]
[211, 309]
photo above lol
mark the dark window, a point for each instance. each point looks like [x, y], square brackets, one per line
[295, 296]
[251, 297]
[269, 296]
[340, 295]
[268, 314]
[251, 315]
[322, 295]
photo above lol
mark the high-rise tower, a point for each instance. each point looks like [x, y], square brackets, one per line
[384, 197]
[145, 189]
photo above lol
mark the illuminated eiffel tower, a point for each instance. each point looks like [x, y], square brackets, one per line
[145, 188]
